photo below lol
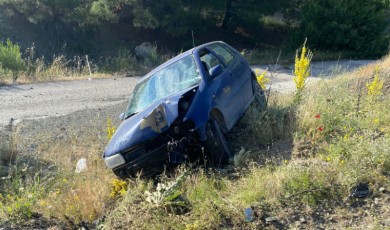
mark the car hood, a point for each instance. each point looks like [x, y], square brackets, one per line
[144, 125]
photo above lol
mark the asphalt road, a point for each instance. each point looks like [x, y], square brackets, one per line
[52, 99]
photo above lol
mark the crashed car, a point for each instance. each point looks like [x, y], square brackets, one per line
[181, 111]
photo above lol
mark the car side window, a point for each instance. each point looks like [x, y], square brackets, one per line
[224, 54]
[209, 61]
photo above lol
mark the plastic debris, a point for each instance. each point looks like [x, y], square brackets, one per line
[81, 165]
[248, 214]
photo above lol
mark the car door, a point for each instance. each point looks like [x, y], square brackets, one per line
[239, 80]
[221, 85]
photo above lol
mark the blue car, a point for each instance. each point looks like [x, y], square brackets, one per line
[181, 111]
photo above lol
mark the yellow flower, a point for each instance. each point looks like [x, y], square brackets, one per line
[261, 79]
[302, 64]
[375, 87]
[110, 129]
[119, 187]
[43, 203]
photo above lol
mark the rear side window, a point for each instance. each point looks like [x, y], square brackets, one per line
[223, 53]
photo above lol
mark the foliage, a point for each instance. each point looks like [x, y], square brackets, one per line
[344, 25]
[110, 129]
[167, 195]
[11, 57]
[181, 17]
[21, 190]
[119, 188]
[374, 88]
[301, 70]
[77, 27]
[261, 79]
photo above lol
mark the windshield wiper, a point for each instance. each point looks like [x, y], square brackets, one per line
[131, 114]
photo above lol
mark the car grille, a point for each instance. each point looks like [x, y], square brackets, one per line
[134, 153]
[148, 153]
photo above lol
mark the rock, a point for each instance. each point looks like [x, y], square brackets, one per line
[302, 220]
[382, 190]
[81, 165]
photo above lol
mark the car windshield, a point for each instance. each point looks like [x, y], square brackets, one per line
[172, 79]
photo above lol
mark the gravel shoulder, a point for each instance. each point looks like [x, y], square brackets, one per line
[54, 99]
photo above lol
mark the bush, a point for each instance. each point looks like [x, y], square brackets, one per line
[342, 25]
[11, 58]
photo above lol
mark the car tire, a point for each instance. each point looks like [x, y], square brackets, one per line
[217, 147]
[258, 93]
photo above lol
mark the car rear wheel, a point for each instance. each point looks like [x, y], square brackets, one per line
[217, 148]
[258, 93]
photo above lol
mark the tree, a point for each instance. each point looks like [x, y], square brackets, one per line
[11, 58]
[357, 26]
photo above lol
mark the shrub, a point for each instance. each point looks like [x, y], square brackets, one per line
[11, 58]
[344, 25]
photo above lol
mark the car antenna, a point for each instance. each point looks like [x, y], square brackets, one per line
[193, 39]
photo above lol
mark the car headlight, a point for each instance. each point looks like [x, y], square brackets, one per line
[114, 161]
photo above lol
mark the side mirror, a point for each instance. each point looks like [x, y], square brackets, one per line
[121, 116]
[215, 71]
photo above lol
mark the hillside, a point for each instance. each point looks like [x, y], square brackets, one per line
[323, 163]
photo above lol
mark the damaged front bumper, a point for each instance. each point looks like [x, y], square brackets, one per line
[153, 156]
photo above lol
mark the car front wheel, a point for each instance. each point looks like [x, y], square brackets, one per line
[217, 148]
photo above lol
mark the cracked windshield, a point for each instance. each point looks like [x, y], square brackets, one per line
[174, 78]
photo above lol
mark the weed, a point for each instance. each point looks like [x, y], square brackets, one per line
[301, 70]
[119, 188]
[374, 88]
[110, 129]
[261, 79]
[167, 195]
